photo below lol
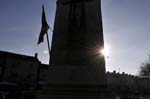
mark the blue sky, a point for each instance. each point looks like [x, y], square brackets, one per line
[126, 30]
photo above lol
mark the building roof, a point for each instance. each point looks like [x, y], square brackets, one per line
[15, 55]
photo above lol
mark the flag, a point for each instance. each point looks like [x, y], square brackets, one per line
[44, 27]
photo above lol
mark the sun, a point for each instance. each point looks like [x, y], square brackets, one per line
[105, 52]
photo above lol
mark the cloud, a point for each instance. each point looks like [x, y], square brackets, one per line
[45, 52]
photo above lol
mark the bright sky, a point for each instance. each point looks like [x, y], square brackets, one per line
[126, 30]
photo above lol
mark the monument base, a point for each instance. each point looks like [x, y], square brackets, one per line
[74, 91]
[75, 82]
[73, 97]
[82, 75]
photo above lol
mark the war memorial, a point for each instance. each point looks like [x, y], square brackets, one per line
[77, 67]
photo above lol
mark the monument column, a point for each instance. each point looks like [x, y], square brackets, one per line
[77, 69]
[78, 37]
[78, 33]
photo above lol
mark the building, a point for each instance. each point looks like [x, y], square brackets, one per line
[120, 79]
[19, 69]
[127, 83]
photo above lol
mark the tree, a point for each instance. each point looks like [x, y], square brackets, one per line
[145, 69]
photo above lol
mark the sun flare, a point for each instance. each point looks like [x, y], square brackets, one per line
[105, 52]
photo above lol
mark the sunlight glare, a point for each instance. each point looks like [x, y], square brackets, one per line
[105, 52]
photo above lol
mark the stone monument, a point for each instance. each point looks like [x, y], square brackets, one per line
[77, 69]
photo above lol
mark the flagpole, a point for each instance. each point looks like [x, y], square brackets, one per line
[48, 45]
[44, 30]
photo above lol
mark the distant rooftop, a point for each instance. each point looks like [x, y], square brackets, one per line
[15, 55]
